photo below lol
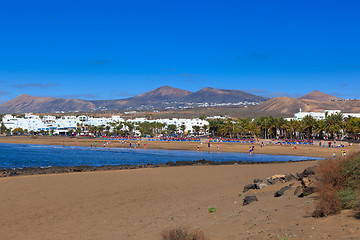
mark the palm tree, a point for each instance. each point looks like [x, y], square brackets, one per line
[333, 124]
[309, 124]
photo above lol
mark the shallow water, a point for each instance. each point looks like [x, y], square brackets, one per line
[28, 155]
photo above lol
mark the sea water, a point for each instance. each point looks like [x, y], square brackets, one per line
[29, 155]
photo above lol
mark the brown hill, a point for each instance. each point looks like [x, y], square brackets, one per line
[287, 105]
[211, 95]
[27, 103]
[162, 93]
[319, 96]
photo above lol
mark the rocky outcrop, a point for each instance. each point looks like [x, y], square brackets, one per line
[282, 191]
[249, 199]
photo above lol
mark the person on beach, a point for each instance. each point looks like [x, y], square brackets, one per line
[334, 155]
[250, 151]
[145, 146]
[198, 148]
[95, 144]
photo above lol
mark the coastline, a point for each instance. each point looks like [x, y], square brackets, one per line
[84, 168]
[271, 149]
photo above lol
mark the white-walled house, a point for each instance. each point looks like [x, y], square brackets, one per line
[63, 124]
[321, 115]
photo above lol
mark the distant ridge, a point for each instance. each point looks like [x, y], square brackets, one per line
[163, 93]
[159, 98]
[319, 96]
[288, 105]
[211, 95]
[27, 103]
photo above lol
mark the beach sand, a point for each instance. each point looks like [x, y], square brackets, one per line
[141, 203]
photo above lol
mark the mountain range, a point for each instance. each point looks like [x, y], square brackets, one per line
[166, 97]
[160, 98]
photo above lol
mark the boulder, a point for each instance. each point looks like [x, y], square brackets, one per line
[305, 182]
[299, 192]
[289, 177]
[282, 191]
[258, 180]
[309, 185]
[261, 185]
[249, 187]
[308, 171]
[249, 199]
[278, 176]
[272, 181]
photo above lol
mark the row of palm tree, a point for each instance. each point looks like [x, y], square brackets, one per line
[334, 126]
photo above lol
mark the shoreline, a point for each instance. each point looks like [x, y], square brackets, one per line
[26, 171]
[271, 149]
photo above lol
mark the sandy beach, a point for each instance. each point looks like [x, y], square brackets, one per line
[141, 203]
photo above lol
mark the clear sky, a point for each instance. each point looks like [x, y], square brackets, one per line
[117, 49]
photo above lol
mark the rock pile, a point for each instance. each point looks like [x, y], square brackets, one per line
[307, 179]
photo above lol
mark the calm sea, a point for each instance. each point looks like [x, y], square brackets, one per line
[27, 155]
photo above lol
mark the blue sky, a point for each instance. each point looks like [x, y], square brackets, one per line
[118, 49]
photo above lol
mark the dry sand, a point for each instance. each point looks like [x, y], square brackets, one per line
[141, 203]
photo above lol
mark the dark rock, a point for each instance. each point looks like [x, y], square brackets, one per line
[272, 181]
[13, 173]
[282, 191]
[249, 199]
[258, 181]
[308, 171]
[289, 177]
[299, 192]
[249, 187]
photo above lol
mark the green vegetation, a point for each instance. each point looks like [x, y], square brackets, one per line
[212, 209]
[183, 234]
[3, 129]
[339, 186]
[18, 130]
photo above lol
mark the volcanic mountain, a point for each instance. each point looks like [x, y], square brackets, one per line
[211, 95]
[156, 98]
[287, 105]
[163, 97]
[26, 103]
[319, 96]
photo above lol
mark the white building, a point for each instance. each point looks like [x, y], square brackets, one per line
[65, 123]
[321, 115]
